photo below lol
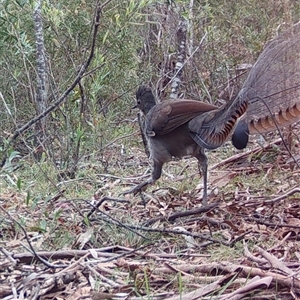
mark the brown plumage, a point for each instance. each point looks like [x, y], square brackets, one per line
[177, 128]
[269, 99]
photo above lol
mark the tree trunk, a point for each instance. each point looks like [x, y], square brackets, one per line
[41, 87]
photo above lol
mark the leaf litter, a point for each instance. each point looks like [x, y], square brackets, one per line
[165, 245]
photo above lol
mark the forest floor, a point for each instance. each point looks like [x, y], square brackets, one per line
[101, 245]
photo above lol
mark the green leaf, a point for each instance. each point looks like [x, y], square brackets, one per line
[27, 199]
[43, 225]
[19, 184]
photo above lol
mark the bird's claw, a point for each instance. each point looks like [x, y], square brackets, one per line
[138, 189]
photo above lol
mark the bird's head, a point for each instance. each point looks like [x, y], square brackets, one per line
[145, 99]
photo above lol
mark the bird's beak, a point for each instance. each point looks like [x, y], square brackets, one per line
[134, 107]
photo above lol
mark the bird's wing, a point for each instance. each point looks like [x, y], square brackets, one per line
[168, 115]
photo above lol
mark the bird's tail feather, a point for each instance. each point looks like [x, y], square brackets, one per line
[211, 129]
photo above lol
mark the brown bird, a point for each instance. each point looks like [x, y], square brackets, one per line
[177, 128]
[186, 127]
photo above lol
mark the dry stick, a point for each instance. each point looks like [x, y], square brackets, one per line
[274, 261]
[73, 265]
[289, 193]
[105, 198]
[281, 242]
[9, 256]
[173, 217]
[249, 255]
[175, 270]
[117, 139]
[81, 72]
[100, 296]
[276, 225]
[195, 235]
[123, 178]
[104, 175]
[110, 272]
[108, 283]
[27, 257]
[105, 252]
[129, 253]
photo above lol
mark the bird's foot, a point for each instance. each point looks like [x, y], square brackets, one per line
[137, 189]
[202, 196]
[204, 201]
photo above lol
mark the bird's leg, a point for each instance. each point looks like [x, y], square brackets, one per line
[156, 173]
[202, 166]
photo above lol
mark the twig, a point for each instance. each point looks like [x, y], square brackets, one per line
[249, 255]
[181, 214]
[275, 225]
[105, 198]
[279, 198]
[176, 232]
[274, 261]
[281, 242]
[8, 255]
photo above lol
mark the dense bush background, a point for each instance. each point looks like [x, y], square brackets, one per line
[136, 43]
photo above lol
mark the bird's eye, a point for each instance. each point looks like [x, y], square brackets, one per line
[138, 101]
